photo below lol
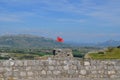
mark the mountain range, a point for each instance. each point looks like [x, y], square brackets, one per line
[109, 43]
[28, 41]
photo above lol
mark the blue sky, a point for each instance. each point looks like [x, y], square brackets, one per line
[74, 20]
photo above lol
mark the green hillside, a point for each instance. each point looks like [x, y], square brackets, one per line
[110, 53]
[28, 41]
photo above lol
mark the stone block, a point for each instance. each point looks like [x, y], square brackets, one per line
[30, 73]
[28, 68]
[2, 78]
[1, 75]
[66, 67]
[37, 62]
[30, 63]
[86, 63]
[49, 72]
[83, 72]
[51, 67]
[8, 73]
[71, 72]
[25, 63]
[56, 72]
[17, 74]
[59, 68]
[43, 72]
[94, 72]
[111, 72]
[12, 63]
[2, 69]
[22, 74]
[114, 76]
[6, 63]
[18, 63]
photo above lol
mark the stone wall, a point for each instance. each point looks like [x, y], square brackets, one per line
[62, 53]
[60, 69]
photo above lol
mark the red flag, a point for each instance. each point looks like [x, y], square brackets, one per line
[59, 39]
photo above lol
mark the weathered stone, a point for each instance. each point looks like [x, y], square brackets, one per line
[25, 63]
[14, 69]
[39, 68]
[65, 62]
[30, 78]
[83, 72]
[66, 67]
[111, 72]
[58, 63]
[2, 78]
[60, 68]
[22, 74]
[117, 67]
[2, 69]
[86, 63]
[17, 74]
[94, 67]
[50, 61]
[30, 73]
[12, 63]
[19, 63]
[30, 63]
[6, 63]
[94, 72]
[28, 68]
[87, 67]
[73, 67]
[36, 63]
[62, 53]
[114, 76]
[51, 67]
[101, 71]
[8, 73]
[1, 75]
[71, 72]
[43, 72]
[49, 72]
[56, 72]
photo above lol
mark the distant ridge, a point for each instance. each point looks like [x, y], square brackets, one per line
[109, 43]
[28, 41]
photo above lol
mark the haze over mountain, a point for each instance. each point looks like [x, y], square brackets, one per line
[31, 41]
[108, 43]
[28, 41]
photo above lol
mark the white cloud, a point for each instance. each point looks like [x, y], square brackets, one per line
[108, 11]
[71, 20]
[9, 18]
[6, 19]
[14, 16]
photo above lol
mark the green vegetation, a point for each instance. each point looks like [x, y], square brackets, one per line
[32, 53]
[110, 53]
[16, 53]
[30, 47]
[4, 58]
[77, 53]
[81, 51]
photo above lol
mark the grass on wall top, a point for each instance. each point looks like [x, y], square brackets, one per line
[110, 53]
